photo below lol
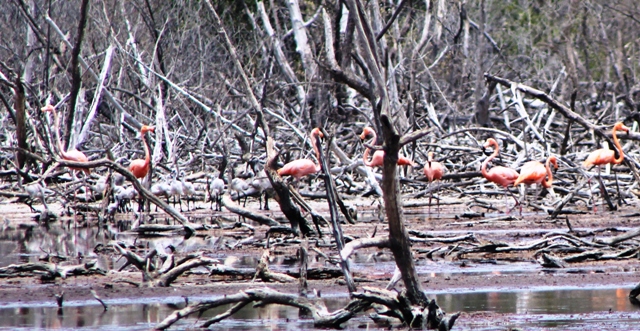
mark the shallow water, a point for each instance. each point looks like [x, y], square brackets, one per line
[561, 309]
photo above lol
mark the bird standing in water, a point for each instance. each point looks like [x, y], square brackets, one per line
[303, 167]
[433, 170]
[500, 175]
[378, 156]
[534, 172]
[603, 156]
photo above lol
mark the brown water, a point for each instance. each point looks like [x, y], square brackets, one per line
[542, 308]
[561, 309]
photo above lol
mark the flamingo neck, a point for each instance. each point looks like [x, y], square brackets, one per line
[365, 156]
[56, 128]
[547, 183]
[315, 149]
[496, 150]
[616, 142]
[147, 157]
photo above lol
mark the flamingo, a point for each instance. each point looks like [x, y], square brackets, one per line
[602, 156]
[378, 156]
[433, 170]
[502, 176]
[140, 167]
[534, 172]
[71, 155]
[303, 167]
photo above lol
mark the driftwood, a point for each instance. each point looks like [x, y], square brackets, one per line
[153, 276]
[319, 313]
[157, 228]
[235, 208]
[350, 247]
[396, 304]
[220, 271]
[50, 271]
[549, 261]
[620, 238]
[266, 275]
[332, 200]
[283, 195]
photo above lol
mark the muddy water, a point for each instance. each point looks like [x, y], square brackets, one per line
[559, 309]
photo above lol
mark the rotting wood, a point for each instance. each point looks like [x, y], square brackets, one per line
[50, 271]
[283, 195]
[162, 277]
[619, 238]
[333, 210]
[266, 275]
[235, 208]
[352, 246]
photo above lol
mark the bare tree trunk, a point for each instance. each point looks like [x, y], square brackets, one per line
[281, 60]
[399, 238]
[76, 79]
[21, 121]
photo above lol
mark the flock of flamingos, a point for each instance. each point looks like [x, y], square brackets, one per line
[533, 172]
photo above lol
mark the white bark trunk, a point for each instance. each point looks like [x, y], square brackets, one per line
[302, 42]
[279, 55]
[106, 67]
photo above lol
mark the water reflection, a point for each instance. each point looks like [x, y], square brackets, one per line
[535, 309]
[565, 301]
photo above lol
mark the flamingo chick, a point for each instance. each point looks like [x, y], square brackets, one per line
[240, 186]
[189, 189]
[216, 189]
[261, 184]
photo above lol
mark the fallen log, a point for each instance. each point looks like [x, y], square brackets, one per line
[49, 271]
[619, 238]
[246, 213]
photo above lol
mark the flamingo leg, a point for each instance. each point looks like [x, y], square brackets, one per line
[593, 205]
[517, 203]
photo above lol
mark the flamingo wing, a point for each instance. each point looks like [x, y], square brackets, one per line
[532, 172]
[404, 161]
[299, 168]
[377, 159]
[139, 168]
[599, 157]
[434, 172]
[76, 156]
[502, 176]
